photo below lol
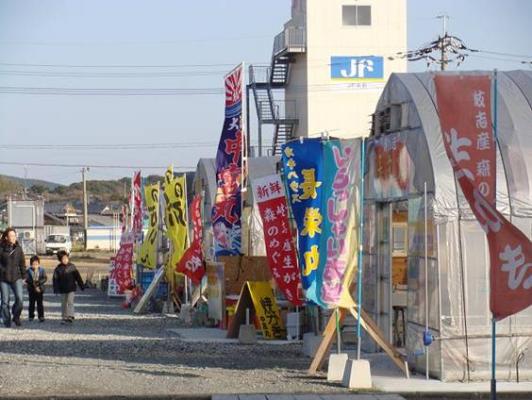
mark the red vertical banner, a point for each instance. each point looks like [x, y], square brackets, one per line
[192, 263]
[282, 259]
[137, 205]
[464, 106]
[122, 272]
[195, 216]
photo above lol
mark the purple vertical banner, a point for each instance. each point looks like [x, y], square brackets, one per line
[227, 209]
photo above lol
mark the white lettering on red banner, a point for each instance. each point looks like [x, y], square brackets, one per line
[464, 107]
[270, 197]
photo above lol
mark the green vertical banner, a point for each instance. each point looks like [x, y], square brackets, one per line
[341, 161]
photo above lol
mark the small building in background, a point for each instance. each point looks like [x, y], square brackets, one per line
[27, 217]
[104, 232]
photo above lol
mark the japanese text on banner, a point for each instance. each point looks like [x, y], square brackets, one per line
[464, 105]
[269, 194]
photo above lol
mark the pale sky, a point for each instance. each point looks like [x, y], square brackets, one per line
[215, 34]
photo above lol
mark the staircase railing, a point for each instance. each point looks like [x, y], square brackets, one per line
[293, 37]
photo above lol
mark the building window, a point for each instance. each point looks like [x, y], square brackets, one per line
[356, 15]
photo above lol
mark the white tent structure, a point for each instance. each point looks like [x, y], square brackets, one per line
[205, 183]
[405, 152]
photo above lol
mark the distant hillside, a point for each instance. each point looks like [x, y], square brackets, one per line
[98, 190]
[30, 182]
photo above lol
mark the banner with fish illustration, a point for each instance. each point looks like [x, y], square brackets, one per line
[227, 209]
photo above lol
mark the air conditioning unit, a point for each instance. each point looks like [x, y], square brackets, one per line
[29, 235]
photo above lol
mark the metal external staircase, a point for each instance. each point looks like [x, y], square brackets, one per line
[264, 80]
[280, 114]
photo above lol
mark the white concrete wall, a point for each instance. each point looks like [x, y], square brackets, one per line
[103, 238]
[343, 107]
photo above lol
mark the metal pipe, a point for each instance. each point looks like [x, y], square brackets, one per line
[426, 281]
[493, 320]
[338, 335]
[361, 247]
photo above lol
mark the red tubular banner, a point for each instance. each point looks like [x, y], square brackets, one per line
[195, 214]
[123, 267]
[464, 106]
[191, 264]
[269, 194]
[137, 205]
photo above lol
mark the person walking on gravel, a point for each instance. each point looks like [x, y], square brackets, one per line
[66, 275]
[12, 274]
[35, 279]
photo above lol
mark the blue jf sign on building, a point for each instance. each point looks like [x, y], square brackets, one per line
[359, 68]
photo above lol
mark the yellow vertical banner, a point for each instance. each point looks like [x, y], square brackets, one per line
[175, 218]
[148, 249]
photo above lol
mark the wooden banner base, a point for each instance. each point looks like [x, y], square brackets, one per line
[369, 326]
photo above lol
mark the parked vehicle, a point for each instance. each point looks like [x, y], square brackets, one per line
[58, 241]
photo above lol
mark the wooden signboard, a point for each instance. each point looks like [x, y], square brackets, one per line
[240, 269]
[259, 298]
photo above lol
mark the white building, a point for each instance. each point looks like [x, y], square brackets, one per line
[332, 60]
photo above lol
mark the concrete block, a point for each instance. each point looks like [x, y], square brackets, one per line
[247, 334]
[186, 314]
[311, 342]
[335, 370]
[357, 375]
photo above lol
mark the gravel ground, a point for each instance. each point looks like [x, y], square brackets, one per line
[109, 351]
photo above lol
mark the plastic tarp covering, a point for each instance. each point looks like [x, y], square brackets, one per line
[398, 164]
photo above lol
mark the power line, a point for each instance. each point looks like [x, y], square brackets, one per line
[137, 146]
[36, 164]
[498, 53]
[119, 65]
[87, 74]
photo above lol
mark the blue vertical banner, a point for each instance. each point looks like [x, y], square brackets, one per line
[227, 209]
[303, 174]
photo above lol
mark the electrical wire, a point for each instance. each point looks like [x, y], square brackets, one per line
[38, 164]
[119, 65]
[137, 146]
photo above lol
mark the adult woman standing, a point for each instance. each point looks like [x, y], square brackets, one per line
[12, 273]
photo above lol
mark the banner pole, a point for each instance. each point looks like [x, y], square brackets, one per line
[493, 388]
[361, 248]
[426, 282]
[188, 235]
[244, 160]
[132, 201]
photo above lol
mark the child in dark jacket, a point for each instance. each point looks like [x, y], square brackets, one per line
[66, 276]
[35, 279]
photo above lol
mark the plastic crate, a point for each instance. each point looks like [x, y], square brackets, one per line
[147, 278]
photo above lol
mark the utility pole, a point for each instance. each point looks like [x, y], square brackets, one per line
[85, 206]
[24, 195]
[443, 45]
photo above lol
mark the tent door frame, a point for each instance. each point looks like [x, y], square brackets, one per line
[384, 269]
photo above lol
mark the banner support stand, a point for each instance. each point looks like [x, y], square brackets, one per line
[369, 326]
